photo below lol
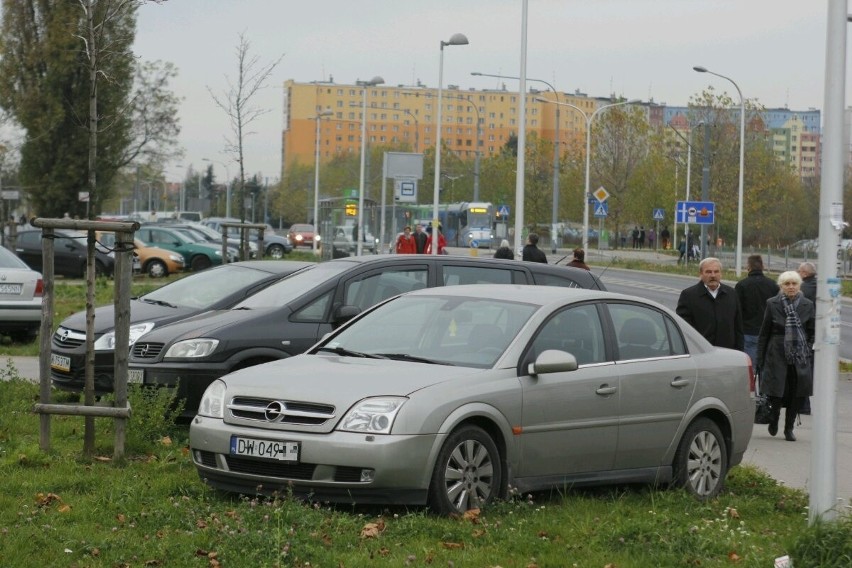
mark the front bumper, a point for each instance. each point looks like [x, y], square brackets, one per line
[342, 467]
[190, 380]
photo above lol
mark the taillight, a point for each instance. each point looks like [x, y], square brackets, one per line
[39, 290]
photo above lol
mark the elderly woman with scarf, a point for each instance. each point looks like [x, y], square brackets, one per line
[784, 351]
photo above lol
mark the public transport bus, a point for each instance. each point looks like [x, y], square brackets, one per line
[461, 223]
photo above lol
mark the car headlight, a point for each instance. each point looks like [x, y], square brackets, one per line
[317, 238]
[213, 402]
[299, 237]
[176, 258]
[372, 415]
[217, 252]
[194, 348]
[106, 342]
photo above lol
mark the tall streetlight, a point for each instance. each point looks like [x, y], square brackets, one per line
[318, 117]
[688, 174]
[589, 118]
[742, 166]
[227, 185]
[360, 228]
[555, 215]
[416, 130]
[456, 39]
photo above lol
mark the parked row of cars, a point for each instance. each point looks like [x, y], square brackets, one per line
[427, 380]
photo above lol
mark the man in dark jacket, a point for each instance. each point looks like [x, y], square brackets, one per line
[752, 293]
[807, 271]
[712, 307]
[420, 239]
[531, 252]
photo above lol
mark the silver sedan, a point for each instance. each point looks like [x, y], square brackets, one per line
[450, 396]
[21, 290]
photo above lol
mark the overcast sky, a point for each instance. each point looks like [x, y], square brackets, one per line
[773, 49]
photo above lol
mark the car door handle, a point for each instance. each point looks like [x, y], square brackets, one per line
[606, 390]
[679, 382]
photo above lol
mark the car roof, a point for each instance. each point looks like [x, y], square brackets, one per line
[580, 274]
[274, 266]
[535, 295]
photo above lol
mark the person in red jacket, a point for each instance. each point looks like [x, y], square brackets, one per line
[405, 243]
[442, 242]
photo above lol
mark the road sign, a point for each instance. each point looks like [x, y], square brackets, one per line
[83, 196]
[503, 211]
[601, 194]
[601, 209]
[659, 214]
[695, 212]
[474, 244]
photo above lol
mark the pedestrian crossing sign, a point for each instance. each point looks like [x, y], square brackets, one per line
[659, 214]
[601, 209]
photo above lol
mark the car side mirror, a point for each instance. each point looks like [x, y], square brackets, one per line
[552, 361]
[344, 313]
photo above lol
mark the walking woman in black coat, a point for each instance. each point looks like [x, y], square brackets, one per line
[784, 351]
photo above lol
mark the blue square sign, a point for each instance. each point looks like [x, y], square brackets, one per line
[695, 212]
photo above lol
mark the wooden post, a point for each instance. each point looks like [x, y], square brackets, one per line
[123, 278]
[89, 388]
[45, 333]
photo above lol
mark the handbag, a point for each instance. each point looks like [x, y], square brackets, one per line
[762, 408]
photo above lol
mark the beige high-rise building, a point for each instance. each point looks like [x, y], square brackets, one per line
[404, 116]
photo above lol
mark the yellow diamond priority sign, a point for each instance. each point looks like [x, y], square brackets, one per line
[601, 194]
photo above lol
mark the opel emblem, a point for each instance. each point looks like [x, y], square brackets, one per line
[3, 277]
[64, 335]
[274, 411]
[144, 350]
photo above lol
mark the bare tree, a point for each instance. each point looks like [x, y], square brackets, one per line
[236, 102]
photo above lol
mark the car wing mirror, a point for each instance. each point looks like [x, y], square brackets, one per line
[552, 361]
[344, 313]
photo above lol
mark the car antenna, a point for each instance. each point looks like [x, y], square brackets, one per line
[611, 260]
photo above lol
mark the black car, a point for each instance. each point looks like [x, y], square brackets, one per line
[214, 289]
[288, 317]
[69, 253]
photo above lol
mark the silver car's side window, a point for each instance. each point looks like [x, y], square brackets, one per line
[641, 333]
[455, 275]
[576, 330]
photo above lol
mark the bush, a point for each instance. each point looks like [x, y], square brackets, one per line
[154, 413]
[824, 545]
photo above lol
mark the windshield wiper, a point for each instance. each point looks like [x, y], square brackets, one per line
[347, 353]
[159, 302]
[413, 358]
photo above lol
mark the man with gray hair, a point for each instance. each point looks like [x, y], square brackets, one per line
[807, 271]
[712, 307]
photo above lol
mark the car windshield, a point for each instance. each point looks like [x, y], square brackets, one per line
[203, 289]
[446, 330]
[293, 287]
[191, 235]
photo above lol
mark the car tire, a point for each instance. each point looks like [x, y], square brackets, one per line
[200, 262]
[157, 269]
[701, 461]
[467, 474]
[275, 251]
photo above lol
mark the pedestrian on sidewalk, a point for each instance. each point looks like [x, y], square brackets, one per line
[579, 260]
[531, 252]
[752, 293]
[712, 307]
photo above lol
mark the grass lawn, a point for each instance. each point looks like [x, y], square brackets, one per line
[58, 508]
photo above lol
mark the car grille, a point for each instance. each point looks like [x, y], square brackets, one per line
[146, 350]
[68, 338]
[272, 468]
[281, 411]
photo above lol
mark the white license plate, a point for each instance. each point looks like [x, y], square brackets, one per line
[135, 376]
[255, 448]
[10, 289]
[60, 362]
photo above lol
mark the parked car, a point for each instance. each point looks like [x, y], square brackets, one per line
[291, 315]
[275, 246]
[154, 261]
[197, 255]
[214, 289]
[21, 290]
[302, 235]
[69, 250]
[345, 244]
[211, 236]
[449, 396]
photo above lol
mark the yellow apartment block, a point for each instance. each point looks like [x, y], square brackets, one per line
[404, 117]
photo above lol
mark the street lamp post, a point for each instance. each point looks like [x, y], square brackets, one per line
[456, 39]
[688, 177]
[739, 259]
[315, 221]
[360, 228]
[589, 118]
[416, 130]
[227, 185]
[555, 214]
